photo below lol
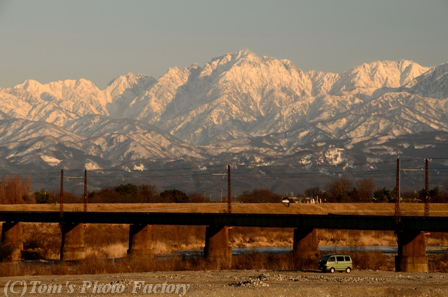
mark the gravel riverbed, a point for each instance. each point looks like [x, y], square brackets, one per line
[231, 283]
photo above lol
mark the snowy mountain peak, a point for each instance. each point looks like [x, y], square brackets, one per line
[232, 58]
[244, 53]
[120, 84]
[368, 77]
[130, 79]
[29, 84]
[433, 83]
[263, 109]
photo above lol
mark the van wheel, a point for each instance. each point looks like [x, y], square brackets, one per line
[332, 270]
[348, 270]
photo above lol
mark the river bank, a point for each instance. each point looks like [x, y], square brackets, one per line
[240, 283]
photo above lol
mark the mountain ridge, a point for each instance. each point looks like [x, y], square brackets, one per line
[262, 108]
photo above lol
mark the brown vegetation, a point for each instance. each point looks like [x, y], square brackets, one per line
[258, 196]
[43, 241]
[439, 263]
[407, 209]
[130, 193]
[106, 241]
[112, 240]
[362, 260]
[5, 252]
[14, 191]
[341, 190]
[248, 237]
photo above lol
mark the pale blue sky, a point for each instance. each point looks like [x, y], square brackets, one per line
[99, 40]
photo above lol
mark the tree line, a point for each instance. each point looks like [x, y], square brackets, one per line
[343, 190]
[364, 190]
[15, 191]
[130, 193]
[124, 193]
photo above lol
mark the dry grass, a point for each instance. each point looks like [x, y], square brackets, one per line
[257, 260]
[172, 238]
[437, 239]
[356, 238]
[407, 209]
[43, 240]
[5, 252]
[97, 261]
[248, 237]
[111, 241]
[95, 265]
[439, 263]
[251, 260]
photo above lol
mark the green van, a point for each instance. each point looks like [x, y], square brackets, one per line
[336, 262]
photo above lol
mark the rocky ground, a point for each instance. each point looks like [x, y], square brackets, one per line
[231, 283]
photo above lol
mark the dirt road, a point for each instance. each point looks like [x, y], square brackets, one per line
[231, 283]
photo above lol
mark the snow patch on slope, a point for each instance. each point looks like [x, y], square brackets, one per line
[52, 161]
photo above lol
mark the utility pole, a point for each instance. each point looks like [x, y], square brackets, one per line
[229, 191]
[85, 190]
[426, 188]
[61, 196]
[397, 194]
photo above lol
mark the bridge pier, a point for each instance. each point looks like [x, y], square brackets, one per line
[140, 236]
[12, 236]
[72, 247]
[217, 248]
[411, 252]
[306, 243]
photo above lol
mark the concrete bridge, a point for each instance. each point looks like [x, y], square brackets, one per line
[409, 229]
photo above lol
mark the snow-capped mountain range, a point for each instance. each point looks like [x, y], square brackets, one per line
[238, 109]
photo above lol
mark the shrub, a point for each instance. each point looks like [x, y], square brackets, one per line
[259, 196]
[5, 252]
[173, 196]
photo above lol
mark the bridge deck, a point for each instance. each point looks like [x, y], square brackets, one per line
[330, 221]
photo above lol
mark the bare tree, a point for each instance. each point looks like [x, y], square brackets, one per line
[12, 191]
[339, 189]
[313, 192]
[364, 189]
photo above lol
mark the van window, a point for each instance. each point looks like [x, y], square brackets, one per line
[340, 258]
[324, 258]
[331, 259]
[347, 258]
